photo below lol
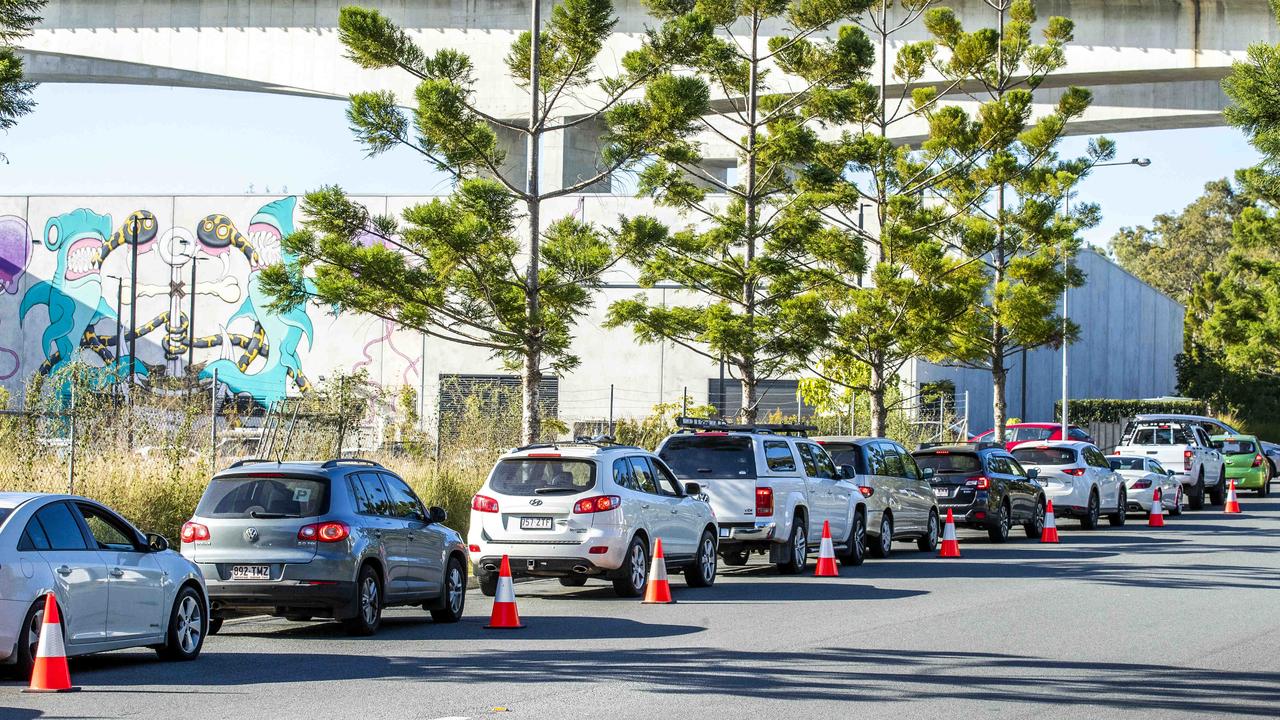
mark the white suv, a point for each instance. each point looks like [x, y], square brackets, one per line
[1079, 480]
[589, 509]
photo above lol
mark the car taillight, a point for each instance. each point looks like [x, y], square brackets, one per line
[193, 532]
[474, 548]
[981, 482]
[326, 532]
[1074, 472]
[599, 503]
[1257, 461]
[1186, 459]
[866, 490]
[764, 502]
[484, 503]
[1142, 485]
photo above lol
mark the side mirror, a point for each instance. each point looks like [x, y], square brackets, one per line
[157, 543]
[928, 473]
[692, 489]
[437, 514]
[1170, 473]
[1033, 473]
[847, 472]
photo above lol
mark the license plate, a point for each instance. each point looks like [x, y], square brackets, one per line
[535, 523]
[941, 492]
[250, 572]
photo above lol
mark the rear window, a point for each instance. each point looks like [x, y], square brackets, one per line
[710, 456]
[1235, 447]
[949, 463]
[264, 497]
[1045, 456]
[1024, 434]
[1124, 463]
[847, 454]
[1161, 434]
[536, 476]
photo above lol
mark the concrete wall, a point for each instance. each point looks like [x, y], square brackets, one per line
[1130, 335]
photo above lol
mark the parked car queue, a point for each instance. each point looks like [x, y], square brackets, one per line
[346, 538]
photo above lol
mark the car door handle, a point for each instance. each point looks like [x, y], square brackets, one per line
[674, 511]
[117, 573]
[377, 533]
[64, 570]
[646, 507]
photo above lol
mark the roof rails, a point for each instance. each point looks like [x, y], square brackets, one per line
[694, 424]
[251, 461]
[600, 441]
[350, 461]
[980, 445]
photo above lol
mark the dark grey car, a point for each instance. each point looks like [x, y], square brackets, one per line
[340, 539]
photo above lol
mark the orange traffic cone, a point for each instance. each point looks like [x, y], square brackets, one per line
[826, 554]
[1233, 505]
[1156, 517]
[658, 591]
[1050, 532]
[504, 614]
[50, 673]
[950, 546]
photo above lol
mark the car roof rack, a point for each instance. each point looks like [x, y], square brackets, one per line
[251, 461]
[600, 441]
[980, 445]
[689, 424]
[350, 461]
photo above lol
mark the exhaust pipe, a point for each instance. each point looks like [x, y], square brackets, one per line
[581, 569]
[491, 567]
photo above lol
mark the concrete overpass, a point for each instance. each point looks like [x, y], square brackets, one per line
[1152, 64]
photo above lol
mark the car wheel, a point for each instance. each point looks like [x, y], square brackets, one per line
[884, 544]
[368, 602]
[1218, 494]
[736, 558]
[1036, 527]
[1266, 487]
[31, 631]
[215, 624]
[1118, 517]
[1092, 513]
[929, 541]
[797, 548]
[702, 573]
[634, 570]
[999, 530]
[856, 549]
[1177, 501]
[455, 593]
[488, 584]
[1196, 499]
[187, 627]
[573, 580]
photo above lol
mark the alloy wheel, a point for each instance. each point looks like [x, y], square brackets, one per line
[800, 550]
[33, 632]
[886, 536]
[638, 570]
[190, 624]
[456, 589]
[708, 560]
[369, 601]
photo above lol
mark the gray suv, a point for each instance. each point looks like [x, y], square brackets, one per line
[342, 539]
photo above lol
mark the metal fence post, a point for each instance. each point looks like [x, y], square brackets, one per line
[71, 445]
[610, 408]
[213, 424]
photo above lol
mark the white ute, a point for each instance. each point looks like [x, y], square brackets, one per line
[771, 489]
[1185, 448]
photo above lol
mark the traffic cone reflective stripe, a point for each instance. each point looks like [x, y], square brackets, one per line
[826, 554]
[50, 672]
[505, 615]
[658, 591]
[1156, 517]
[950, 546]
[1050, 532]
[1233, 504]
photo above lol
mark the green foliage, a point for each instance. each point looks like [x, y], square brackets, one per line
[17, 18]
[1105, 410]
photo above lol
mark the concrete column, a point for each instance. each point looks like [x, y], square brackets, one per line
[717, 168]
[515, 145]
[573, 155]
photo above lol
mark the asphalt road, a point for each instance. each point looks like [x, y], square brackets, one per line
[1182, 621]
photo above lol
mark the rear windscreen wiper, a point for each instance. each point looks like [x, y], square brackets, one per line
[269, 516]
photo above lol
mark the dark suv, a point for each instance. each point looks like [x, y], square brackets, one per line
[984, 487]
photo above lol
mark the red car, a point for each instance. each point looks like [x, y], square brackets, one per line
[1017, 433]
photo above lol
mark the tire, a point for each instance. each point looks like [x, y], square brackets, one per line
[21, 670]
[1093, 514]
[488, 584]
[1266, 487]
[1036, 527]
[455, 593]
[573, 580]
[702, 573]
[634, 571]
[856, 549]
[187, 627]
[999, 531]
[368, 603]
[1177, 502]
[1196, 500]
[736, 558]
[1218, 495]
[215, 625]
[928, 542]
[883, 546]
[797, 548]
[1118, 517]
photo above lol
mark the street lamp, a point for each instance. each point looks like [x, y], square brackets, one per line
[1139, 162]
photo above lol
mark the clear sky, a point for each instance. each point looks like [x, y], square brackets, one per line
[126, 140]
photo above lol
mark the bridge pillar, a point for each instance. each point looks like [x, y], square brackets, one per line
[567, 157]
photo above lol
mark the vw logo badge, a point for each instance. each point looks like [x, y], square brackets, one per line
[535, 501]
[251, 535]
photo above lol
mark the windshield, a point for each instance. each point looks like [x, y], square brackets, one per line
[949, 462]
[1023, 434]
[1235, 447]
[537, 476]
[264, 496]
[1124, 463]
[715, 456]
[1045, 456]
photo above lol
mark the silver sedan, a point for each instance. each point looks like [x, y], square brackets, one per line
[115, 587]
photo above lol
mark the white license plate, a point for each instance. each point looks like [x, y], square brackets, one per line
[250, 572]
[941, 492]
[535, 523]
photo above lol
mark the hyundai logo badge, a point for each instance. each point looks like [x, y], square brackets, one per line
[535, 501]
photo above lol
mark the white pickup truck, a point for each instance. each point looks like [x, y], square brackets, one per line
[1183, 447]
[771, 489]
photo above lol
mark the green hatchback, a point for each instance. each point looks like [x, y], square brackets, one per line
[1244, 461]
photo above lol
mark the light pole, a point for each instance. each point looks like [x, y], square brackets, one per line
[1142, 163]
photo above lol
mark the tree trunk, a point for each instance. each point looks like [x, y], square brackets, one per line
[1000, 406]
[750, 384]
[531, 387]
[531, 415]
[750, 380]
[879, 416]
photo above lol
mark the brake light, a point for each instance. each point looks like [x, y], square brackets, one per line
[714, 433]
[599, 503]
[1116, 452]
[981, 482]
[326, 532]
[474, 548]
[866, 490]
[764, 502]
[544, 455]
[1186, 459]
[194, 532]
[1142, 484]
[1257, 460]
[484, 503]
[1074, 472]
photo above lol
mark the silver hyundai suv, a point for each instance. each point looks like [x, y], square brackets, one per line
[342, 539]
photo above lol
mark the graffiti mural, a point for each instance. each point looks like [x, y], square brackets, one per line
[15, 252]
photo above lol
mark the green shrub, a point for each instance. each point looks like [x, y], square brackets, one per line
[1109, 410]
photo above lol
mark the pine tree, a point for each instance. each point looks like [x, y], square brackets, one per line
[17, 18]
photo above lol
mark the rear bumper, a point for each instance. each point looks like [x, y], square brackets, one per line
[733, 536]
[1247, 478]
[530, 566]
[974, 514]
[282, 598]
[614, 538]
